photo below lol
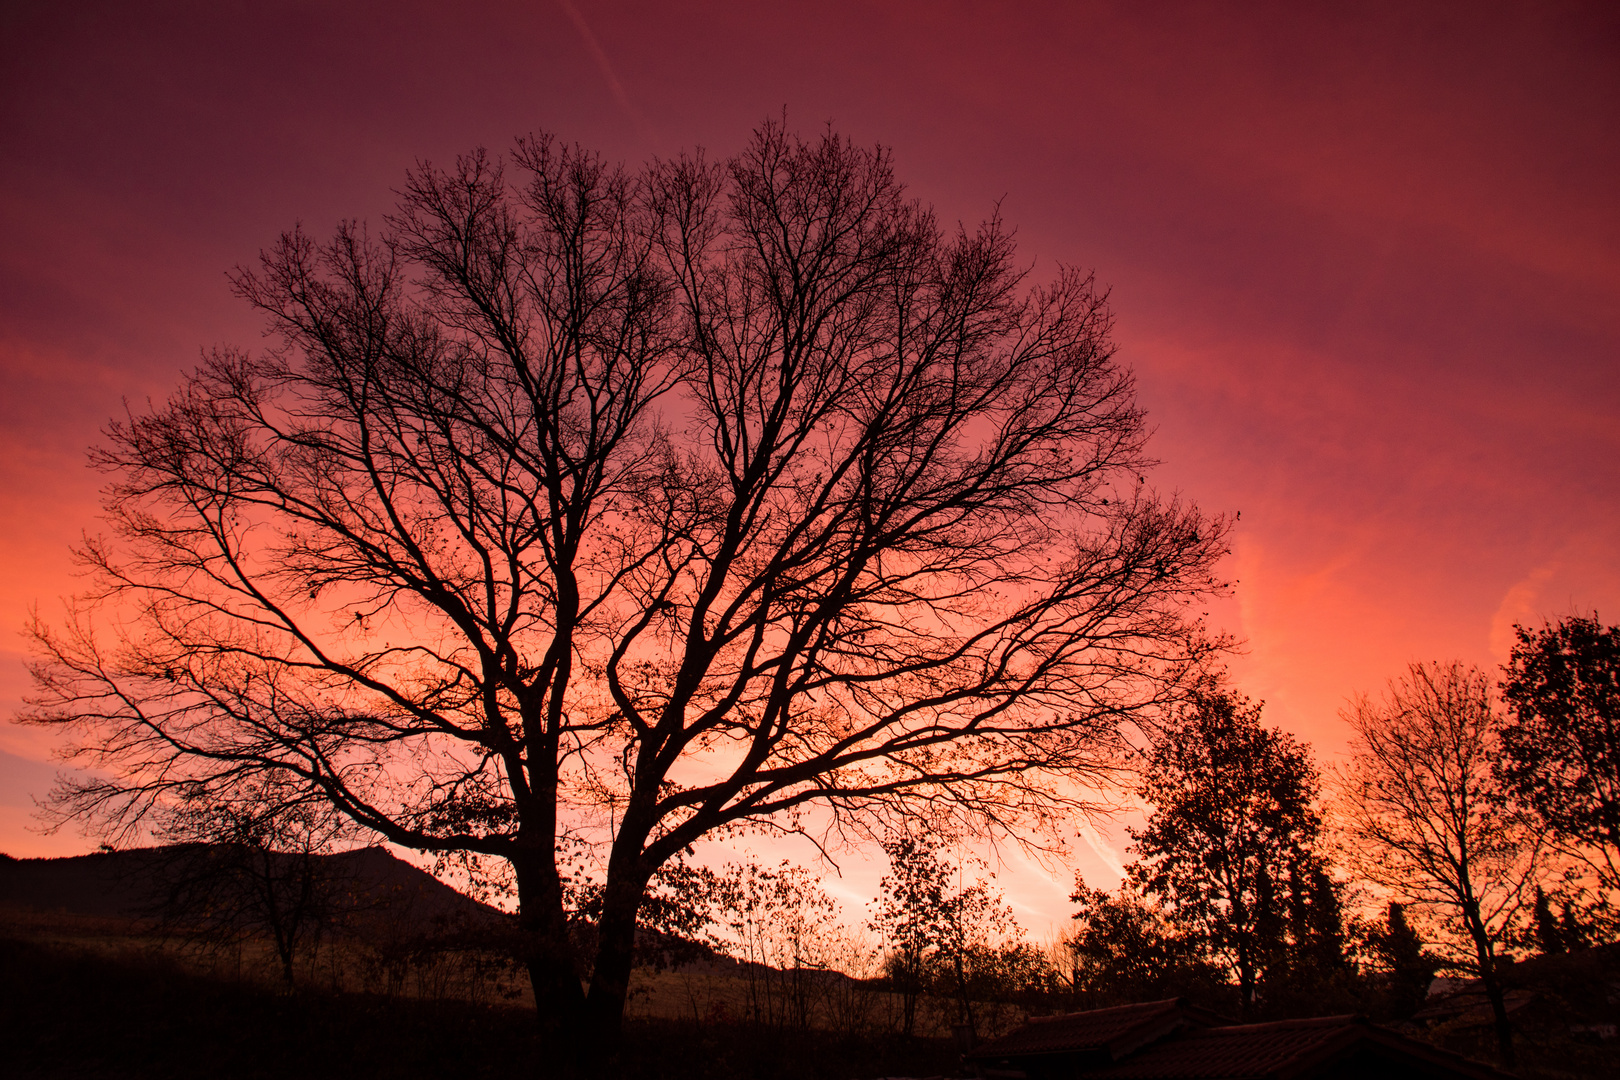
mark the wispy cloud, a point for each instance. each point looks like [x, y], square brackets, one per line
[1104, 850]
[594, 47]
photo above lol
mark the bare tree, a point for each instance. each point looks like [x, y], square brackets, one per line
[635, 507]
[253, 858]
[1429, 820]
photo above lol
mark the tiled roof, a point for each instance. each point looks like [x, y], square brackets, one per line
[1113, 1031]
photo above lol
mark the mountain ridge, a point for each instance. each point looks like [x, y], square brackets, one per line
[130, 884]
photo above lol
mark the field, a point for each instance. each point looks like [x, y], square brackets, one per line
[102, 996]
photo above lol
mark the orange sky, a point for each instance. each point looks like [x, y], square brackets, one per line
[1365, 257]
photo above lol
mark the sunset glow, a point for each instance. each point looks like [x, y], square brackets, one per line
[1364, 263]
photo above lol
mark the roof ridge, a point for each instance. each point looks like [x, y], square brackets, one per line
[1338, 1020]
[1111, 1010]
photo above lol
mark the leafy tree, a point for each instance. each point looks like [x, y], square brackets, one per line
[912, 916]
[1409, 969]
[943, 934]
[1124, 950]
[1231, 831]
[1549, 934]
[1558, 932]
[1310, 972]
[1561, 747]
[974, 955]
[1429, 819]
[632, 507]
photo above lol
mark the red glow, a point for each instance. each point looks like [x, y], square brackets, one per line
[1365, 265]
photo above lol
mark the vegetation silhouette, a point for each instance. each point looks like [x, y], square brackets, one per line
[1433, 824]
[947, 937]
[581, 505]
[1230, 845]
[1561, 747]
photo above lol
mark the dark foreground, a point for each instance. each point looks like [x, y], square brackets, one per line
[69, 1013]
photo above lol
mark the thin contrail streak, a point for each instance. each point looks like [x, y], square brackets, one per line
[595, 49]
[1104, 851]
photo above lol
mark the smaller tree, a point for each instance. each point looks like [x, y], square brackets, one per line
[1560, 931]
[1561, 747]
[978, 952]
[910, 917]
[784, 928]
[1123, 950]
[942, 933]
[1232, 834]
[249, 859]
[1408, 969]
[1311, 973]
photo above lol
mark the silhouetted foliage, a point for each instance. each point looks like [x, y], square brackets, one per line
[1229, 845]
[1429, 819]
[1124, 950]
[1311, 973]
[246, 860]
[909, 916]
[783, 928]
[948, 937]
[1549, 934]
[1408, 969]
[680, 903]
[1561, 746]
[569, 478]
[1561, 931]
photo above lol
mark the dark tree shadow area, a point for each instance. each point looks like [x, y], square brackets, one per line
[67, 1013]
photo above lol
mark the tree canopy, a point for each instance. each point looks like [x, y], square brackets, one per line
[1561, 746]
[1229, 845]
[581, 504]
[1429, 820]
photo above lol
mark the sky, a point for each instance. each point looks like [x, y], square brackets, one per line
[1364, 260]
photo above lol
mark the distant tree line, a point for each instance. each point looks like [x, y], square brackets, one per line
[1483, 816]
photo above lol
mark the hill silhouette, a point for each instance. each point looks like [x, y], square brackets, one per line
[131, 884]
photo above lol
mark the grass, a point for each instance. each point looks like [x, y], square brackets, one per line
[84, 999]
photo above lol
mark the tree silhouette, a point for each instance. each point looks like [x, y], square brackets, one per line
[912, 916]
[579, 504]
[947, 936]
[1231, 833]
[1430, 821]
[1124, 950]
[1409, 968]
[250, 859]
[1561, 747]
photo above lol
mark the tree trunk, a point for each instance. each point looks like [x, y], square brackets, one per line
[547, 949]
[964, 993]
[615, 954]
[1246, 982]
[1493, 986]
[909, 992]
